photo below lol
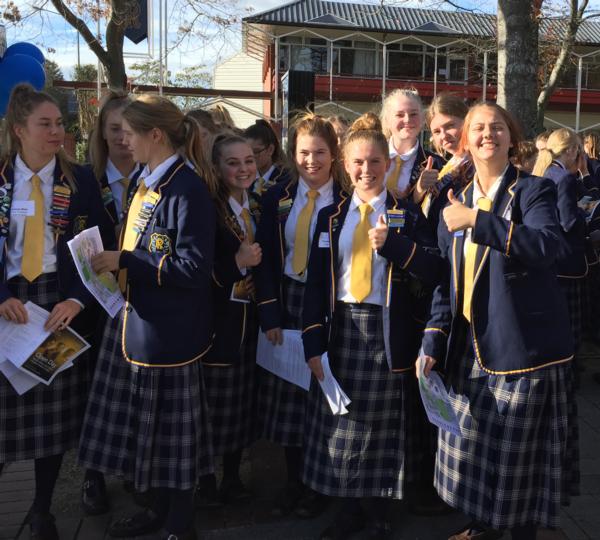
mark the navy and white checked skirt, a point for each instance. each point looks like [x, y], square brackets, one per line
[46, 420]
[231, 396]
[506, 468]
[149, 425]
[282, 405]
[362, 453]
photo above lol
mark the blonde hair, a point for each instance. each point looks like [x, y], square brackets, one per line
[558, 142]
[367, 128]
[386, 107]
[447, 104]
[24, 99]
[309, 123]
[98, 148]
[222, 117]
[181, 130]
[591, 143]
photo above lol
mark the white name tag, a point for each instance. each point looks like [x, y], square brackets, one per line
[324, 240]
[22, 208]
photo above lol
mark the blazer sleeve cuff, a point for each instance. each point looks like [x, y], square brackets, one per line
[314, 340]
[398, 249]
[434, 343]
[269, 314]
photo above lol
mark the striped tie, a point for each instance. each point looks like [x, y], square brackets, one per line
[246, 218]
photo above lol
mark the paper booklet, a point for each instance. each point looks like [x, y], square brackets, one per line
[104, 287]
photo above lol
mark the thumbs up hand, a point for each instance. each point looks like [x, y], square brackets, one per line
[248, 254]
[457, 216]
[427, 181]
[378, 234]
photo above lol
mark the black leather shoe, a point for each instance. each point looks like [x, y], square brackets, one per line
[94, 500]
[344, 526]
[144, 522]
[42, 527]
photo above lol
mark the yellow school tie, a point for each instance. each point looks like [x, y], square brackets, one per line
[260, 185]
[33, 240]
[483, 203]
[248, 224]
[426, 202]
[134, 210]
[125, 183]
[362, 256]
[300, 258]
[392, 179]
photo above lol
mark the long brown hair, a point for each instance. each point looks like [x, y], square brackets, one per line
[98, 149]
[181, 130]
[24, 99]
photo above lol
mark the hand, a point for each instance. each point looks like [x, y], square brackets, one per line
[378, 234]
[275, 336]
[249, 286]
[427, 181]
[316, 367]
[62, 315]
[13, 310]
[248, 254]
[457, 216]
[107, 261]
[428, 362]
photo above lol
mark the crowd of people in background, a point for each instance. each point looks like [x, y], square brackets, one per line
[475, 255]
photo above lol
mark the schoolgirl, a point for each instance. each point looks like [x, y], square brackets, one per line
[285, 231]
[499, 330]
[402, 118]
[268, 155]
[354, 311]
[44, 201]
[147, 416]
[230, 365]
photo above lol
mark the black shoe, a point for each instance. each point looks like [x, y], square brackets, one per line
[232, 491]
[288, 499]
[166, 535]
[344, 526]
[42, 526]
[144, 522]
[380, 530]
[311, 505]
[94, 500]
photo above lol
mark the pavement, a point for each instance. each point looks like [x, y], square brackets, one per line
[263, 473]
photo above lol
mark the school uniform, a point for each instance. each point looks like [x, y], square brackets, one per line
[507, 369]
[275, 175]
[46, 420]
[230, 365]
[370, 349]
[147, 416]
[279, 293]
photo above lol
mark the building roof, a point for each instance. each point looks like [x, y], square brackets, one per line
[396, 19]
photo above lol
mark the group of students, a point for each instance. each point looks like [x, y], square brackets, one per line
[379, 251]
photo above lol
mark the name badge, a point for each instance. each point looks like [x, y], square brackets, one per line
[396, 218]
[324, 240]
[22, 208]
[458, 234]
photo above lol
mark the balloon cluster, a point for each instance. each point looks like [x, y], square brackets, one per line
[22, 62]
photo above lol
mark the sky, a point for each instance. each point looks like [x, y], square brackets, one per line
[47, 29]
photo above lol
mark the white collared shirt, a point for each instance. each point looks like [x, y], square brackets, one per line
[152, 178]
[21, 192]
[267, 175]
[409, 162]
[113, 177]
[379, 263]
[324, 199]
[237, 212]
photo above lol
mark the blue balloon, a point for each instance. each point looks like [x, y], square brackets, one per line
[27, 49]
[19, 68]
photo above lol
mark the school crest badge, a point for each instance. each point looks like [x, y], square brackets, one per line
[160, 243]
[79, 224]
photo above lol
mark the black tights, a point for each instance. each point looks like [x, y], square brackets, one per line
[176, 506]
[525, 532]
[293, 462]
[231, 465]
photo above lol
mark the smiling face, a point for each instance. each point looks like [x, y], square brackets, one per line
[366, 165]
[112, 132]
[445, 131]
[43, 133]
[237, 167]
[488, 136]
[405, 119]
[313, 159]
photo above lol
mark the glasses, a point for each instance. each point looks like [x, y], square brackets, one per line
[258, 151]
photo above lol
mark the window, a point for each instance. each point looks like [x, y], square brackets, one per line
[405, 66]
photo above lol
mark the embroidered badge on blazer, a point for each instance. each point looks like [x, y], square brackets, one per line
[79, 224]
[5, 200]
[160, 243]
[107, 196]
[284, 208]
[396, 218]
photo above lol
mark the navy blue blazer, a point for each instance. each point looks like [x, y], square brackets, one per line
[405, 256]
[519, 316]
[168, 314]
[571, 261]
[231, 318]
[420, 164]
[276, 206]
[592, 180]
[85, 211]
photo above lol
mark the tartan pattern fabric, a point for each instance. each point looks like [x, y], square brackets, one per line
[571, 473]
[231, 396]
[505, 470]
[149, 425]
[282, 405]
[45, 421]
[362, 453]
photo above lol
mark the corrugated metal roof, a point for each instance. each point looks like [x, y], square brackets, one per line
[378, 18]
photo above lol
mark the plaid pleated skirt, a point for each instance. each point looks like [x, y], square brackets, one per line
[231, 396]
[362, 453]
[573, 291]
[506, 469]
[149, 425]
[46, 420]
[282, 405]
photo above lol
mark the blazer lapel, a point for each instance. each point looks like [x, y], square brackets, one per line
[284, 208]
[336, 221]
